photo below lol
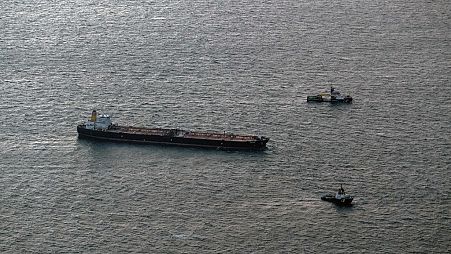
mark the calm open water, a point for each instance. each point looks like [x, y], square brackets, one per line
[237, 66]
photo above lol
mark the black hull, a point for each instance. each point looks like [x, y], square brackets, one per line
[170, 140]
[343, 201]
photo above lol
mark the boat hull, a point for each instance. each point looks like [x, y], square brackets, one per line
[319, 98]
[141, 138]
[343, 201]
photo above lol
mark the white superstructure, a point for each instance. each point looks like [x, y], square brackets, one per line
[334, 94]
[341, 194]
[98, 122]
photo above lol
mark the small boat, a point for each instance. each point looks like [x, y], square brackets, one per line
[333, 96]
[340, 198]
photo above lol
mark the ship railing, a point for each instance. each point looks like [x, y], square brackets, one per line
[186, 134]
[226, 136]
[155, 131]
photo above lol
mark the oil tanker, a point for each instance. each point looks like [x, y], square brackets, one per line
[100, 127]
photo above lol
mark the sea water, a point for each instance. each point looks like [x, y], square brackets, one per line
[238, 66]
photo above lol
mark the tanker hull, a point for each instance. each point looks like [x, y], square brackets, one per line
[173, 137]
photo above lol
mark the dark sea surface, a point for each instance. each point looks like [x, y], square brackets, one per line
[237, 66]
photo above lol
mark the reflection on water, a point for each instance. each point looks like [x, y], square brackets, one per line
[241, 67]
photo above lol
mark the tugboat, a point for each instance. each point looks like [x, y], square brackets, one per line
[340, 198]
[101, 127]
[334, 96]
